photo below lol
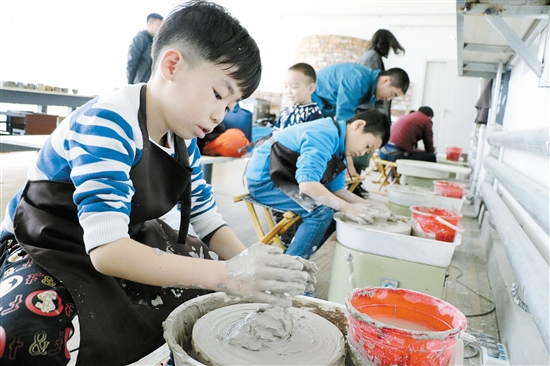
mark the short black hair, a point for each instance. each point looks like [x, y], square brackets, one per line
[383, 40]
[377, 123]
[305, 69]
[399, 78]
[204, 31]
[154, 16]
[427, 111]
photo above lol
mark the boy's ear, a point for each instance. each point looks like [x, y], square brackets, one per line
[358, 124]
[384, 79]
[311, 88]
[168, 63]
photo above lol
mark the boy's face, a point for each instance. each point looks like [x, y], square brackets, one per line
[385, 90]
[298, 87]
[195, 99]
[358, 143]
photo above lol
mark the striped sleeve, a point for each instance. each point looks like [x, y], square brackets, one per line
[100, 149]
[205, 217]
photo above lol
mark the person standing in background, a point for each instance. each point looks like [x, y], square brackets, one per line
[382, 41]
[138, 67]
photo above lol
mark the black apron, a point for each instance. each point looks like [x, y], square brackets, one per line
[118, 323]
[283, 168]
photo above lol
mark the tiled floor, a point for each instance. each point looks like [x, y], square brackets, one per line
[468, 257]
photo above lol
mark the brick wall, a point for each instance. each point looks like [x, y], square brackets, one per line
[323, 50]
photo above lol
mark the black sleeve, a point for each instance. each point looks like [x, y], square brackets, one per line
[137, 47]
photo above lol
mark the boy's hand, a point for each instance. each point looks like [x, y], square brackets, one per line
[262, 273]
[354, 213]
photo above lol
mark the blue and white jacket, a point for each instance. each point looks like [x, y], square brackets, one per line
[94, 148]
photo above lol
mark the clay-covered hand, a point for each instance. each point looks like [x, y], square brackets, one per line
[378, 211]
[355, 213]
[312, 269]
[262, 273]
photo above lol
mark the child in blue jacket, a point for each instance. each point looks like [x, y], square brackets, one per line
[302, 169]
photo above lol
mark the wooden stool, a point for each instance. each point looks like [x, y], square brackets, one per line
[275, 230]
[385, 168]
[352, 183]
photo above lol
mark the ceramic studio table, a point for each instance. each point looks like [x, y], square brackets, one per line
[422, 173]
[35, 142]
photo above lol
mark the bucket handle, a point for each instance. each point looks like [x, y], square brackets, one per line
[458, 229]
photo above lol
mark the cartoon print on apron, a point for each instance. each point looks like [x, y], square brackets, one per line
[283, 168]
[114, 313]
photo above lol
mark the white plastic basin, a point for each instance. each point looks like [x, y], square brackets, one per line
[410, 248]
[426, 169]
[420, 196]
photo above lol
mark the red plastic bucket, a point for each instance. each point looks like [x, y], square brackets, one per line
[449, 189]
[380, 321]
[443, 223]
[453, 153]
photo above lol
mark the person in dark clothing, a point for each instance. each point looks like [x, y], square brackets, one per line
[138, 68]
[382, 41]
[405, 134]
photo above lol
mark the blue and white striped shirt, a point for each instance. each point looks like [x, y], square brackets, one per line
[95, 148]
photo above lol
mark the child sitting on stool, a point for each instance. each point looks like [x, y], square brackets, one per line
[303, 169]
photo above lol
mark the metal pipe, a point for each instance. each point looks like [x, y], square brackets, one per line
[496, 94]
[531, 196]
[530, 268]
[534, 141]
[491, 123]
[481, 138]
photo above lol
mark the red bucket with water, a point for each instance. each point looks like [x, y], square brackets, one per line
[437, 221]
[449, 189]
[453, 153]
[389, 326]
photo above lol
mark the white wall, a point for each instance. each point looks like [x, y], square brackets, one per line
[82, 44]
[78, 44]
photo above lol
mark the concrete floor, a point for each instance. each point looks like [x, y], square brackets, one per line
[468, 266]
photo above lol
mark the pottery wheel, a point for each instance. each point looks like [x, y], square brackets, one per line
[258, 334]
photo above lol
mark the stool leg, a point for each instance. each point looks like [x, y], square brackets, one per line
[257, 225]
[269, 218]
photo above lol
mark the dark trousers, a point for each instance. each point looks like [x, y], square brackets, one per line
[391, 152]
[36, 312]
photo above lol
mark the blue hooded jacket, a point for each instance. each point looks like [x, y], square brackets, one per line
[340, 87]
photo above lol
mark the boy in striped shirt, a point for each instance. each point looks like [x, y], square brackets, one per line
[84, 235]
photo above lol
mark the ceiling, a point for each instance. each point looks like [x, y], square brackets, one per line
[492, 32]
